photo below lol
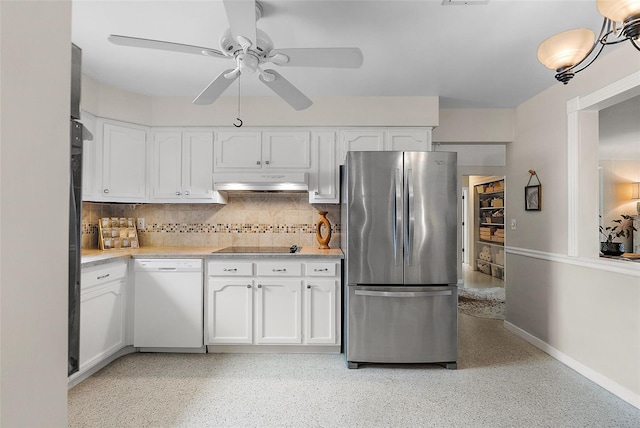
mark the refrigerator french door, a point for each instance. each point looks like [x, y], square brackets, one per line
[399, 213]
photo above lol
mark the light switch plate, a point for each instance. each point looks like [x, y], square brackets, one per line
[140, 223]
[513, 224]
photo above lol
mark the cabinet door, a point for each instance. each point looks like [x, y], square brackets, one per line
[124, 151]
[102, 322]
[166, 165]
[361, 140]
[238, 150]
[320, 311]
[197, 165]
[408, 140]
[229, 316]
[278, 311]
[325, 180]
[287, 150]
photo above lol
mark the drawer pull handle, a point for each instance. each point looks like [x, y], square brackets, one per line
[229, 270]
[248, 285]
[279, 270]
[321, 270]
[103, 276]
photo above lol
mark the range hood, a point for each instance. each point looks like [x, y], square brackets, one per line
[286, 182]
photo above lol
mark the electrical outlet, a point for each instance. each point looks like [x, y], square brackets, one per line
[140, 223]
[513, 224]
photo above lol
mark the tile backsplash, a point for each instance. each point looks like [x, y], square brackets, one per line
[256, 219]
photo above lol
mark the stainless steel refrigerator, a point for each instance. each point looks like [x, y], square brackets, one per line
[399, 237]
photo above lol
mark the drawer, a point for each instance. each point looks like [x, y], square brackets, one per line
[102, 274]
[230, 269]
[279, 269]
[321, 269]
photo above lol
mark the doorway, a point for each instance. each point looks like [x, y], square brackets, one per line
[483, 231]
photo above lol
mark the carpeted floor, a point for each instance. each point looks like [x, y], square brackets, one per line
[482, 302]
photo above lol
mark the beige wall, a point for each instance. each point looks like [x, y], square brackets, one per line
[113, 103]
[34, 196]
[557, 298]
[475, 126]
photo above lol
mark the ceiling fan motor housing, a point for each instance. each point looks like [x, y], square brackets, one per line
[231, 47]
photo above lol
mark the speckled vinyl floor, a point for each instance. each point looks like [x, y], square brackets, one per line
[501, 381]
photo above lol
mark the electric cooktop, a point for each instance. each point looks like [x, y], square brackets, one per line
[261, 250]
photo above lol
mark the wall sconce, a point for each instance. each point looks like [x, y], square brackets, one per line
[566, 51]
[635, 194]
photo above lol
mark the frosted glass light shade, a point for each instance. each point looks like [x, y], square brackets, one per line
[618, 10]
[566, 49]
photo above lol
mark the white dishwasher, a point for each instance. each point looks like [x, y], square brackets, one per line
[168, 304]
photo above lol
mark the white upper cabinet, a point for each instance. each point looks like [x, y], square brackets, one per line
[359, 140]
[124, 166]
[182, 167]
[396, 139]
[286, 149]
[323, 185]
[238, 150]
[268, 150]
[408, 140]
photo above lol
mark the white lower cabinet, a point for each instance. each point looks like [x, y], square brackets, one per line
[279, 311]
[102, 313]
[263, 303]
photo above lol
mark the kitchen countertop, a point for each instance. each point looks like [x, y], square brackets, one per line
[98, 257]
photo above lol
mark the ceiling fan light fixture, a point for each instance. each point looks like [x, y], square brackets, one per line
[566, 49]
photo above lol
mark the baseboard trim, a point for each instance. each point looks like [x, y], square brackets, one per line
[601, 380]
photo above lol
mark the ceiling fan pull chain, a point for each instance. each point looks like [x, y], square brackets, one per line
[238, 118]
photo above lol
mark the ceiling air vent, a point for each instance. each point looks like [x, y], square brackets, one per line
[463, 2]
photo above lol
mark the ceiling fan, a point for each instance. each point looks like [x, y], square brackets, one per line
[250, 47]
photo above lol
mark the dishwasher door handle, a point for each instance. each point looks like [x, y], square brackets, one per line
[168, 268]
[403, 293]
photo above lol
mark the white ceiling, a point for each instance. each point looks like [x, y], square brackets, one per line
[474, 56]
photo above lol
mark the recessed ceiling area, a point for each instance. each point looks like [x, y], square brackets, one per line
[481, 56]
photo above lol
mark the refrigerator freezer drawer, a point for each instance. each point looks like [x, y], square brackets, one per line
[402, 324]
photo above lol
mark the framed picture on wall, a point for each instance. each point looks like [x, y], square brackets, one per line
[533, 198]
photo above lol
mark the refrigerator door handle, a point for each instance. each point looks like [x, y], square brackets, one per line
[411, 213]
[397, 229]
[403, 293]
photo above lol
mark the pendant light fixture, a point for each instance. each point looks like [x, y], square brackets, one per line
[572, 51]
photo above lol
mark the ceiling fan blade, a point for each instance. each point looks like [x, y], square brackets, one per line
[215, 88]
[137, 42]
[287, 91]
[320, 57]
[242, 18]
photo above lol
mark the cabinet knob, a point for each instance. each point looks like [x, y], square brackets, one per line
[267, 162]
[257, 162]
[178, 193]
[248, 285]
[308, 286]
[316, 193]
[259, 285]
[106, 190]
[187, 193]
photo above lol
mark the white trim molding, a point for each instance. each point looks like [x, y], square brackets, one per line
[594, 376]
[603, 264]
[614, 93]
